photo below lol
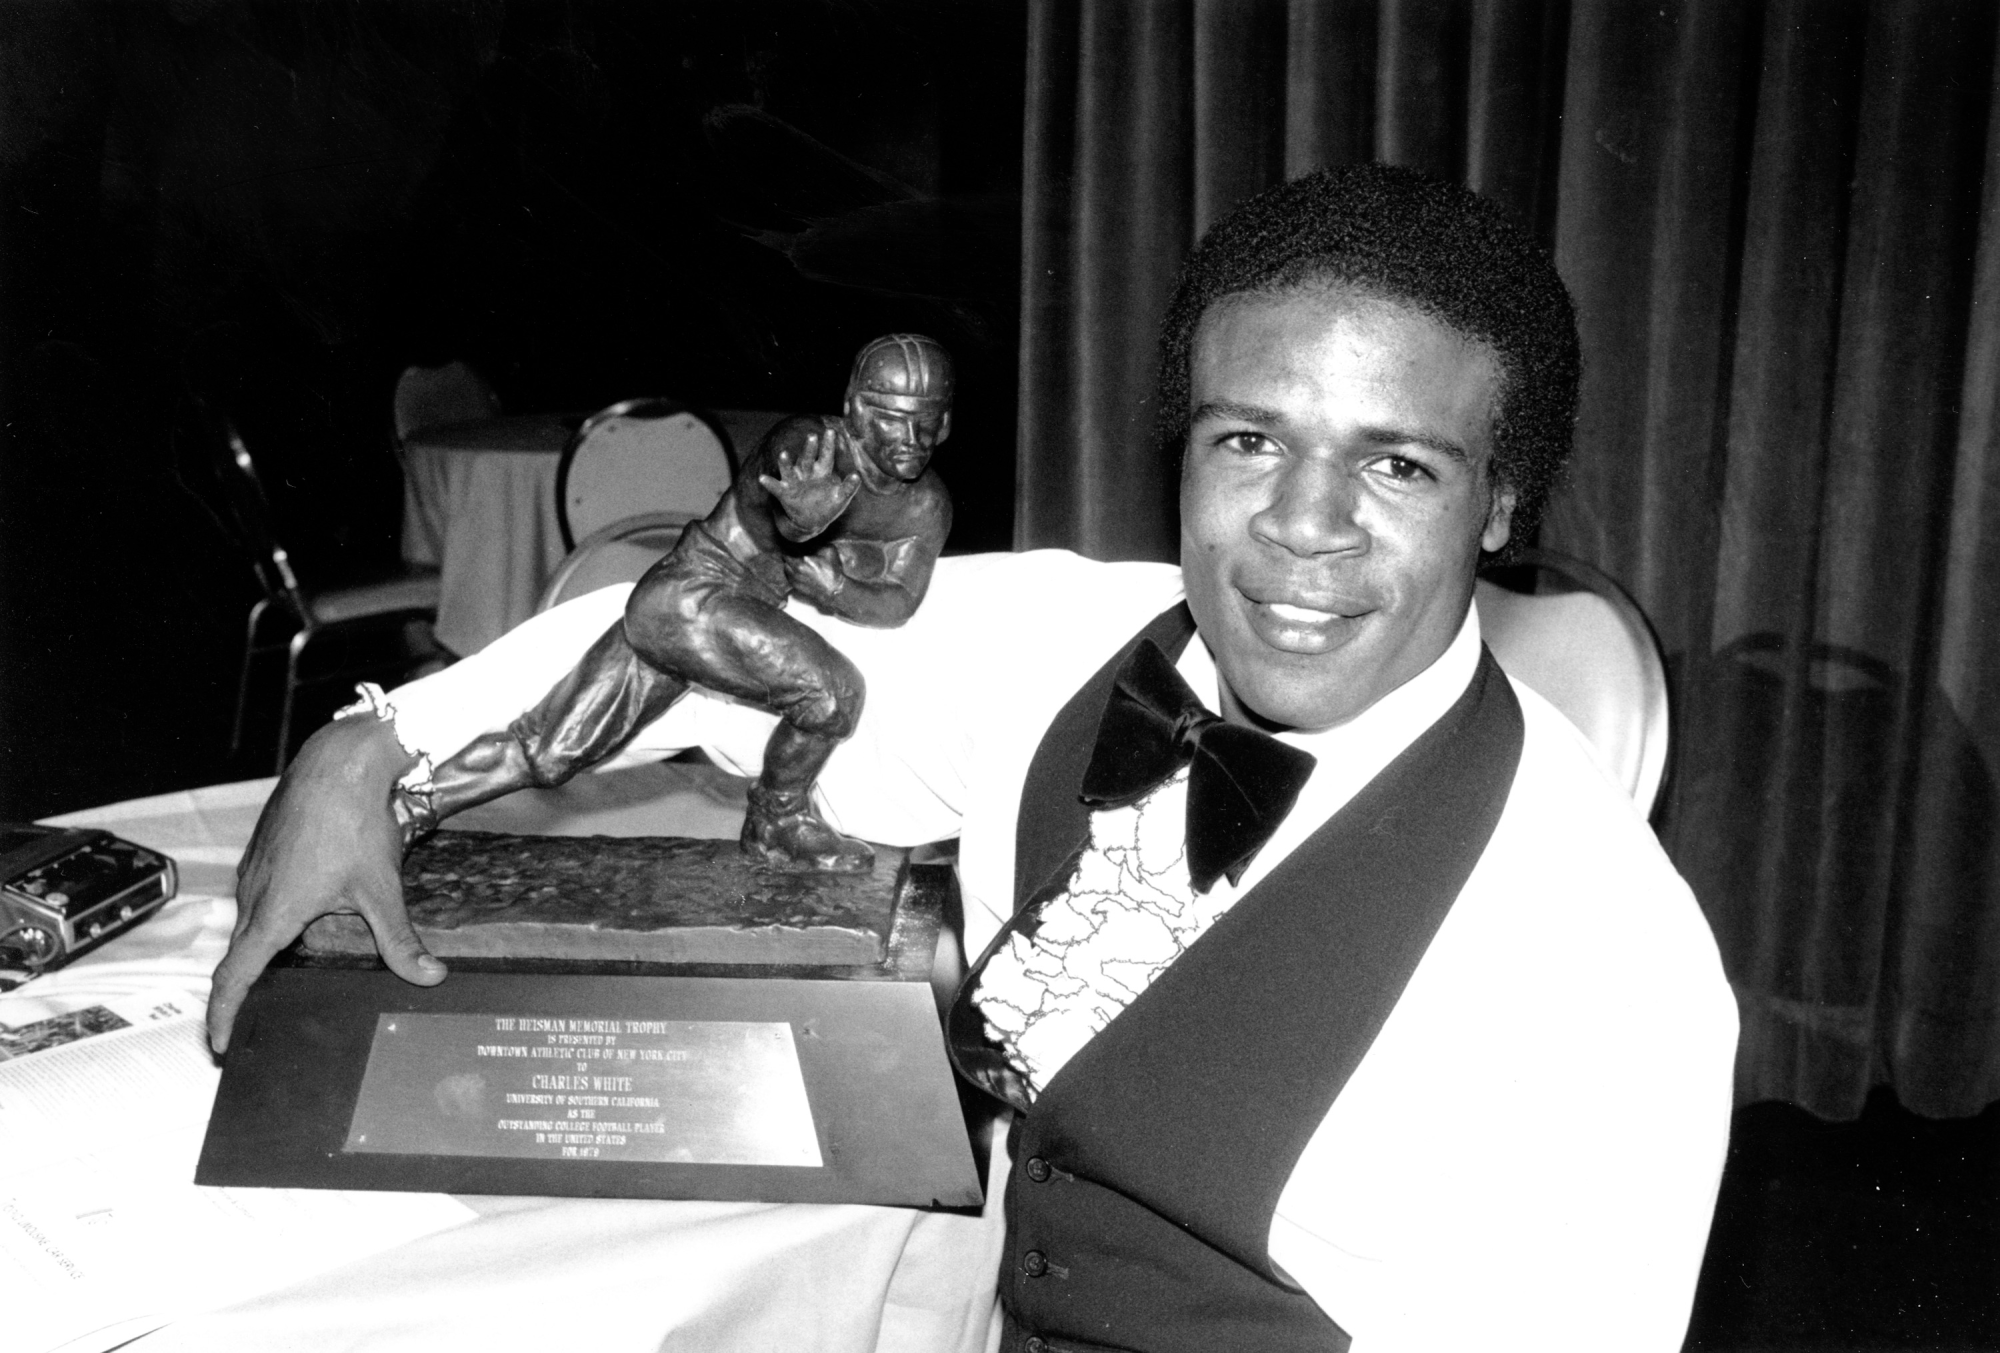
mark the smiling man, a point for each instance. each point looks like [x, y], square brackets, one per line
[1338, 996]
[1335, 497]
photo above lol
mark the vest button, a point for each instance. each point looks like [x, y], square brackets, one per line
[1034, 1263]
[1038, 1170]
[1036, 1344]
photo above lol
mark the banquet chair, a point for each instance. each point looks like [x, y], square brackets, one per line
[233, 492]
[618, 553]
[641, 455]
[1572, 635]
[431, 396]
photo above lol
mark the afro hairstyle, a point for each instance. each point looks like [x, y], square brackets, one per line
[1407, 237]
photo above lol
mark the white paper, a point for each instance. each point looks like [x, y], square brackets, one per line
[108, 1088]
[103, 1234]
[66, 1021]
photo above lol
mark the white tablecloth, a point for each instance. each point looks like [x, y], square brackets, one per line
[479, 505]
[535, 1274]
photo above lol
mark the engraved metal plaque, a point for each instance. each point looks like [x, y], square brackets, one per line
[585, 1087]
[881, 1107]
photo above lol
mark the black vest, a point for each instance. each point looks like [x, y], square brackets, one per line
[1147, 1172]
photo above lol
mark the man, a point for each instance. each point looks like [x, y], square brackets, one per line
[1339, 996]
[844, 513]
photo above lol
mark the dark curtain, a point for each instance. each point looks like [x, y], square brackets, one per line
[1781, 224]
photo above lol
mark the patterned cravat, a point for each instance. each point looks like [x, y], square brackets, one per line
[1242, 782]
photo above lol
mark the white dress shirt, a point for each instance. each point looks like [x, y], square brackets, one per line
[1131, 907]
[1527, 1156]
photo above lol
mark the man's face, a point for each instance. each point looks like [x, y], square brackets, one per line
[1335, 497]
[899, 432]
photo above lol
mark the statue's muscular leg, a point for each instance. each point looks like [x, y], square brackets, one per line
[781, 823]
[744, 647]
[588, 715]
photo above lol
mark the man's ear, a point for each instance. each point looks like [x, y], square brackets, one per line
[944, 426]
[1499, 519]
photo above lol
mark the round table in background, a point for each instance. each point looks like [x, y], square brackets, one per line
[479, 505]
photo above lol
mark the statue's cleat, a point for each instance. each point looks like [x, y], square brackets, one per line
[800, 839]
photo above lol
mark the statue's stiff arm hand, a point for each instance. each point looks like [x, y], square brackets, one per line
[807, 489]
[327, 842]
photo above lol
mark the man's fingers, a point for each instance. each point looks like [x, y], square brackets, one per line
[402, 950]
[772, 486]
[248, 954]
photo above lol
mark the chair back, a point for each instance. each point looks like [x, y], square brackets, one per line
[642, 455]
[232, 491]
[618, 553]
[431, 396]
[1571, 635]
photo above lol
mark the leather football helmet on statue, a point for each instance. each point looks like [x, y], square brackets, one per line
[903, 367]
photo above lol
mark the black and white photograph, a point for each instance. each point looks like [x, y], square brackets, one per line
[1321, 671]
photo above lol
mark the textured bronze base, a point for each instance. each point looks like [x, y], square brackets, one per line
[660, 899]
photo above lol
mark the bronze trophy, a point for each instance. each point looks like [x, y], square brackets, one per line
[844, 512]
[657, 1017]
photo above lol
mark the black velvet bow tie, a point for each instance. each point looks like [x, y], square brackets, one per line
[1242, 784]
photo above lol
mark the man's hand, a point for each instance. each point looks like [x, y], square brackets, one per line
[327, 842]
[807, 488]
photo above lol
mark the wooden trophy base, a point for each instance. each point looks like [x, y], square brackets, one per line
[649, 1017]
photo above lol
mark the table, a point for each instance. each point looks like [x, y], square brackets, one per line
[532, 1274]
[479, 505]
